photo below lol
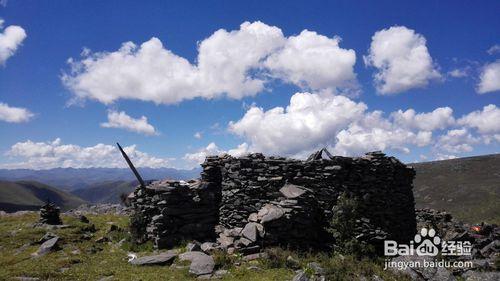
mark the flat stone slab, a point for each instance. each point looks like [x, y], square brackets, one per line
[292, 191]
[201, 263]
[163, 258]
[46, 247]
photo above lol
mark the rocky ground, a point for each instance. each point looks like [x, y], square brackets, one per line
[93, 244]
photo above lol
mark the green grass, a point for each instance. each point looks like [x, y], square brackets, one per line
[96, 260]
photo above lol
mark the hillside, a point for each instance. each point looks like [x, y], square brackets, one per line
[469, 187]
[106, 192]
[72, 179]
[30, 195]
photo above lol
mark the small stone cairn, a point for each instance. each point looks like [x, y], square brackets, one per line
[49, 214]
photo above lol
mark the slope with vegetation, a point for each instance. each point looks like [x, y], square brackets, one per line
[106, 192]
[30, 195]
[468, 188]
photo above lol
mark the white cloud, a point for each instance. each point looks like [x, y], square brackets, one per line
[123, 121]
[198, 135]
[240, 150]
[489, 78]
[457, 141]
[373, 132]
[440, 118]
[3, 3]
[402, 60]
[310, 121]
[47, 155]
[10, 40]
[198, 157]
[233, 63]
[494, 49]
[14, 114]
[441, 156]
[486, 121]
[315, 62]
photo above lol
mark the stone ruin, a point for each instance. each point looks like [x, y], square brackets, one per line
[246, 203]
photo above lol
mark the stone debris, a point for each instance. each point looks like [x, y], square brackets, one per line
[47, 246]
[300, 276]
[160, 259]
[201, 263]
[49, 214]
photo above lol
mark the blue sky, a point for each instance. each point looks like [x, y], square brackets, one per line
[452, 70]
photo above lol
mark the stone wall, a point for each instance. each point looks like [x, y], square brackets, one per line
[293, 200]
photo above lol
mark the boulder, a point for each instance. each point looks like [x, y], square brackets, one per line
[47, 246]
[250, 231]
[201, 263]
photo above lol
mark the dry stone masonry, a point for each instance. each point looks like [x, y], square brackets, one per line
[249, 202]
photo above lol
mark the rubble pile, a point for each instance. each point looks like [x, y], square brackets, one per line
[484, 238]
[49, 214]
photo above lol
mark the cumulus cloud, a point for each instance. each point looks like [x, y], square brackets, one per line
[123, 121]
[14, 114]
[198, 135]
[314, 120]
[486, 121]
[489, 78]
[233, 63]
[457, 141]
[310, 121]
[10, 39]
[314, 61]
[440, 118]
[402, 60]
[53, 154]
[198, 157]
[373, 132]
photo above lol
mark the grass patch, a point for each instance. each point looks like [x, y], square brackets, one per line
[81, 258]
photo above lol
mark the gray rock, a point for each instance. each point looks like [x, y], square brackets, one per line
[22, 278]
[47, 246]
[160, 259]
[300, 276]
[208, 247]
[201, 263]
[47, 236]
[481, 276]
[250, 231]
[270, 213]
[292, 191]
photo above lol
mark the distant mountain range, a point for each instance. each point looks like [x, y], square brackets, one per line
[469, 188]
[106, 192]
[30, 195]
[72, 179]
